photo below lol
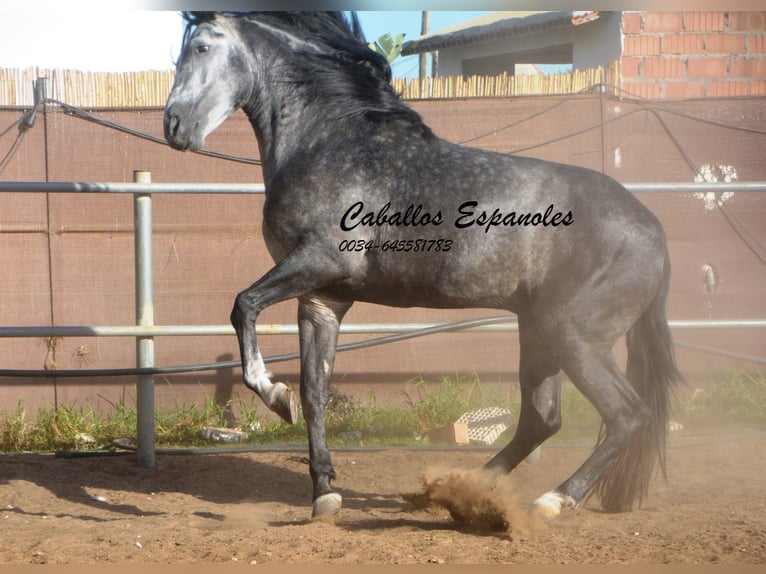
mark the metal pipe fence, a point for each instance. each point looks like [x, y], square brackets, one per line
[142, 216]
[144, 330]
[292, 329]
[246, 188]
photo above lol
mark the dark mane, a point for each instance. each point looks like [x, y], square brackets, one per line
[340, 67]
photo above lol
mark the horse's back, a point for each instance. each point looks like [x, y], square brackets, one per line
[420, 221]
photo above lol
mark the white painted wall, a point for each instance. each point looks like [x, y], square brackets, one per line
[593, 44]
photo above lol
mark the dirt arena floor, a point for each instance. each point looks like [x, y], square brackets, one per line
[253, 508]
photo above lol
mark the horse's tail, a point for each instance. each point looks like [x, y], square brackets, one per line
[652, 371]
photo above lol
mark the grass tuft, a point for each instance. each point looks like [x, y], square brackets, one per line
[737, 397]
[423, 405]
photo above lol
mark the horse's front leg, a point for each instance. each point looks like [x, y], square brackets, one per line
[318, 323]
[301, 272]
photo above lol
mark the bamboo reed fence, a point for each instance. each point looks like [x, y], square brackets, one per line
[150, 88]
[88, 89]
[507, 85]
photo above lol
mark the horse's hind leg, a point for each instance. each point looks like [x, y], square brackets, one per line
[595, 373]
[319, 323]
[540, 416]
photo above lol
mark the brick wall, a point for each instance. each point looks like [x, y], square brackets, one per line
[678, 55]
[68, 259]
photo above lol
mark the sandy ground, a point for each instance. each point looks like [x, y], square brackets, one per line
[254, 508]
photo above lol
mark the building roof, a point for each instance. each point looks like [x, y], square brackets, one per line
[494, 26]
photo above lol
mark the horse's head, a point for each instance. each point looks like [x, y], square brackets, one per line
[213, 80]
[292, 72]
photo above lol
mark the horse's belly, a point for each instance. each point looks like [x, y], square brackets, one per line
[441, 289]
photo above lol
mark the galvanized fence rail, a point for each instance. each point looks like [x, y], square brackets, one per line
[144, 330]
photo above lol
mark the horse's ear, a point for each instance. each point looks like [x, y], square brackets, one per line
[356, 27]
[197, 17]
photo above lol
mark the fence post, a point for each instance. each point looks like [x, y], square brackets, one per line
[142, 217]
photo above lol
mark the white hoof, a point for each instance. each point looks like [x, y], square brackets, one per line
[277, 396]
[534, 456]
[327, 505]
[550, 504]
[282, 401]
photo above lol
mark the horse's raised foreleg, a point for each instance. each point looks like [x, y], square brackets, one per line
[318, 322]
[540, 416]
[301, 272]
[277, 396]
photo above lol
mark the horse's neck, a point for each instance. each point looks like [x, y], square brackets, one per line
[286, 130]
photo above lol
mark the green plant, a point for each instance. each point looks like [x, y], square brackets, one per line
[388, 46]
[13, 430]
[434, 405]
[426, 405]
[120, 423]
[65, 427]
[739, 396]
[248, 413]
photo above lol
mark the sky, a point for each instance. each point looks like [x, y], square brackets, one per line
[135, 40]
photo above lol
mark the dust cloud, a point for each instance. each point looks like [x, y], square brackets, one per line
[477, 499]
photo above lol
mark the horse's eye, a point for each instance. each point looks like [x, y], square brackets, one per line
[202, 49]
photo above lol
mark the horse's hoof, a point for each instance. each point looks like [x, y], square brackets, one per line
[283, 403]
[549, 505]
[545, 512]
[534, 456]
[327, 505]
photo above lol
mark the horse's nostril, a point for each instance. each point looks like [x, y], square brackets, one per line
[173, 124]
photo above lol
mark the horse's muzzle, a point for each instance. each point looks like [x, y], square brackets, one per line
[179, 132]
[172, 124]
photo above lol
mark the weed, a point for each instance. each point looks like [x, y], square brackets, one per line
[433, 408]
[425, 405]
[13, 430]
[737, 397]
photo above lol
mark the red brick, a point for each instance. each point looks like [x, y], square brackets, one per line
[747, 21]
[663, 22]
[683, 43]
[748, 68]
[647, 90]
[455, 433]
[707, 67]
[641, 46]
[682, 90]
[629, 67]
[663, 68]
[758, 88]
[631, 23]
[704, 21]
[725, 43]
[728, 89]
[756, 43]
